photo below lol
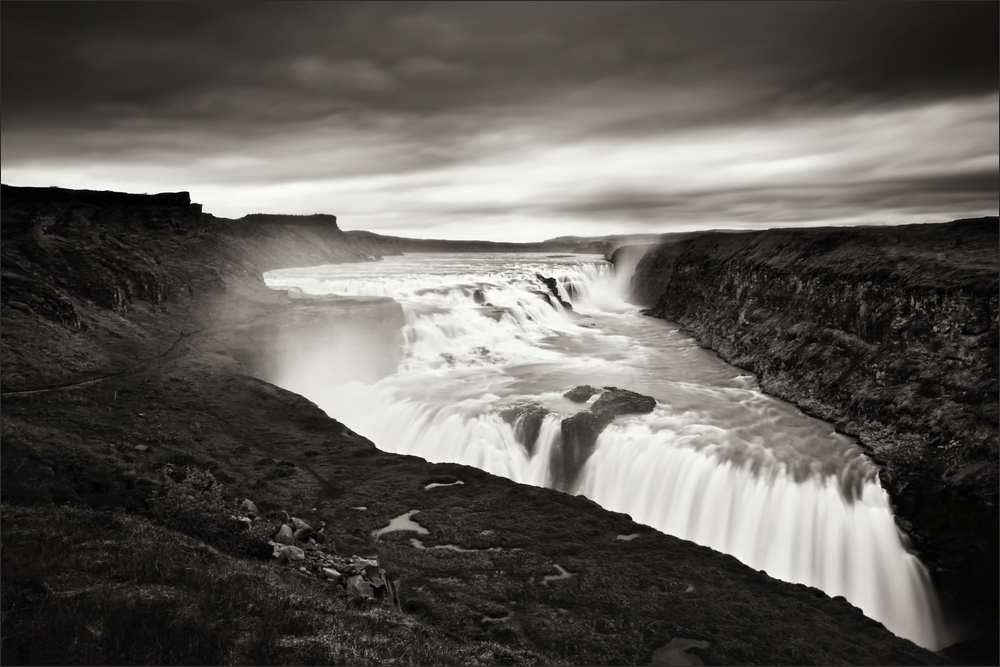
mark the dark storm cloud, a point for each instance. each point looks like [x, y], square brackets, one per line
[459, 109]
[91, 59]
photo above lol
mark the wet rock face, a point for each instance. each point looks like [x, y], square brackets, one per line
[553, 286]
[890, 333]
[579, 432]
[526, 418]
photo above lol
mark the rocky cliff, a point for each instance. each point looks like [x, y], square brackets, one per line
[891, 334]
[137, 339]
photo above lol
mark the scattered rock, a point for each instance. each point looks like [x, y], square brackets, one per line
[141, 448]
[249, 507]
[303, 534]
[299, 524]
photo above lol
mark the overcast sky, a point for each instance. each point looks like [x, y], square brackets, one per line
[513, 121]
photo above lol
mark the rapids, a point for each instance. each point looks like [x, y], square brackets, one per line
[717, 462]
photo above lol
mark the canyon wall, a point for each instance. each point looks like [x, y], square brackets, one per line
[891, 334]
[93, 280]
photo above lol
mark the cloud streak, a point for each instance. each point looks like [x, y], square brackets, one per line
[513, 121]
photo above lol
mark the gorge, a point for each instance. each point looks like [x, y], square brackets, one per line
[141, 322]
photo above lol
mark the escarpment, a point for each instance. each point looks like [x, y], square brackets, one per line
[890, 333]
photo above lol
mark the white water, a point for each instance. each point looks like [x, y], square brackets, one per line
[717, 462]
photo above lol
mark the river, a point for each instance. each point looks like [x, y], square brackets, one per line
[717, 462]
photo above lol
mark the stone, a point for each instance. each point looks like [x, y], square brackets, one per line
[553, 286]
[285, 535]
[581, 394]
[614, 402]
[299, 524]
[141, 448]
[356, 585]
[479, 297]
[286, 553]
[330, 573]
[302, 534]
[249, 507]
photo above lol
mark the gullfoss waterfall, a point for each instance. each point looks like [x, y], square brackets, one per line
[490, 346]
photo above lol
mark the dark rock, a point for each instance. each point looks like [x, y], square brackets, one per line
[553, 286]
[479, 297]
[285, 535]
[614, 402]
[579, 432]
[303, 534]
[526, 418]
[581, 394]
[579, 437]
[288, 553]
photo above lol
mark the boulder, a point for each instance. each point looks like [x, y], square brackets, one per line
[285, 535]
[303, 534]
[614, 402]
[581, 394]
[479, 297]
[248, 506]
[286, 553]
[299, 524]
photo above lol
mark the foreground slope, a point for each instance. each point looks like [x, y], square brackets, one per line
[130, 329]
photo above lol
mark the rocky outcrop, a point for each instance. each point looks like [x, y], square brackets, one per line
[553, 286]
[579, 432]
[526, 420]
[890, 333]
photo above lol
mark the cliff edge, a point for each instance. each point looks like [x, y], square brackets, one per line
[888, 332]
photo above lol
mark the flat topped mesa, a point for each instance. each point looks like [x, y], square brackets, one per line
[14, 195]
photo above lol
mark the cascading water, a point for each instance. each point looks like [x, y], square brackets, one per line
[717, 462]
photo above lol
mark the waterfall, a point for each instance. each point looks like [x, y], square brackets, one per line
[717, 462]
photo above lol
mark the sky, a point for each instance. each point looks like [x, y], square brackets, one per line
[514, 121]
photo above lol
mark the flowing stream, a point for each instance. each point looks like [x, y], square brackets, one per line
[717, 462]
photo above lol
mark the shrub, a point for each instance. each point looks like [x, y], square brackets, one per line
[194, 502]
